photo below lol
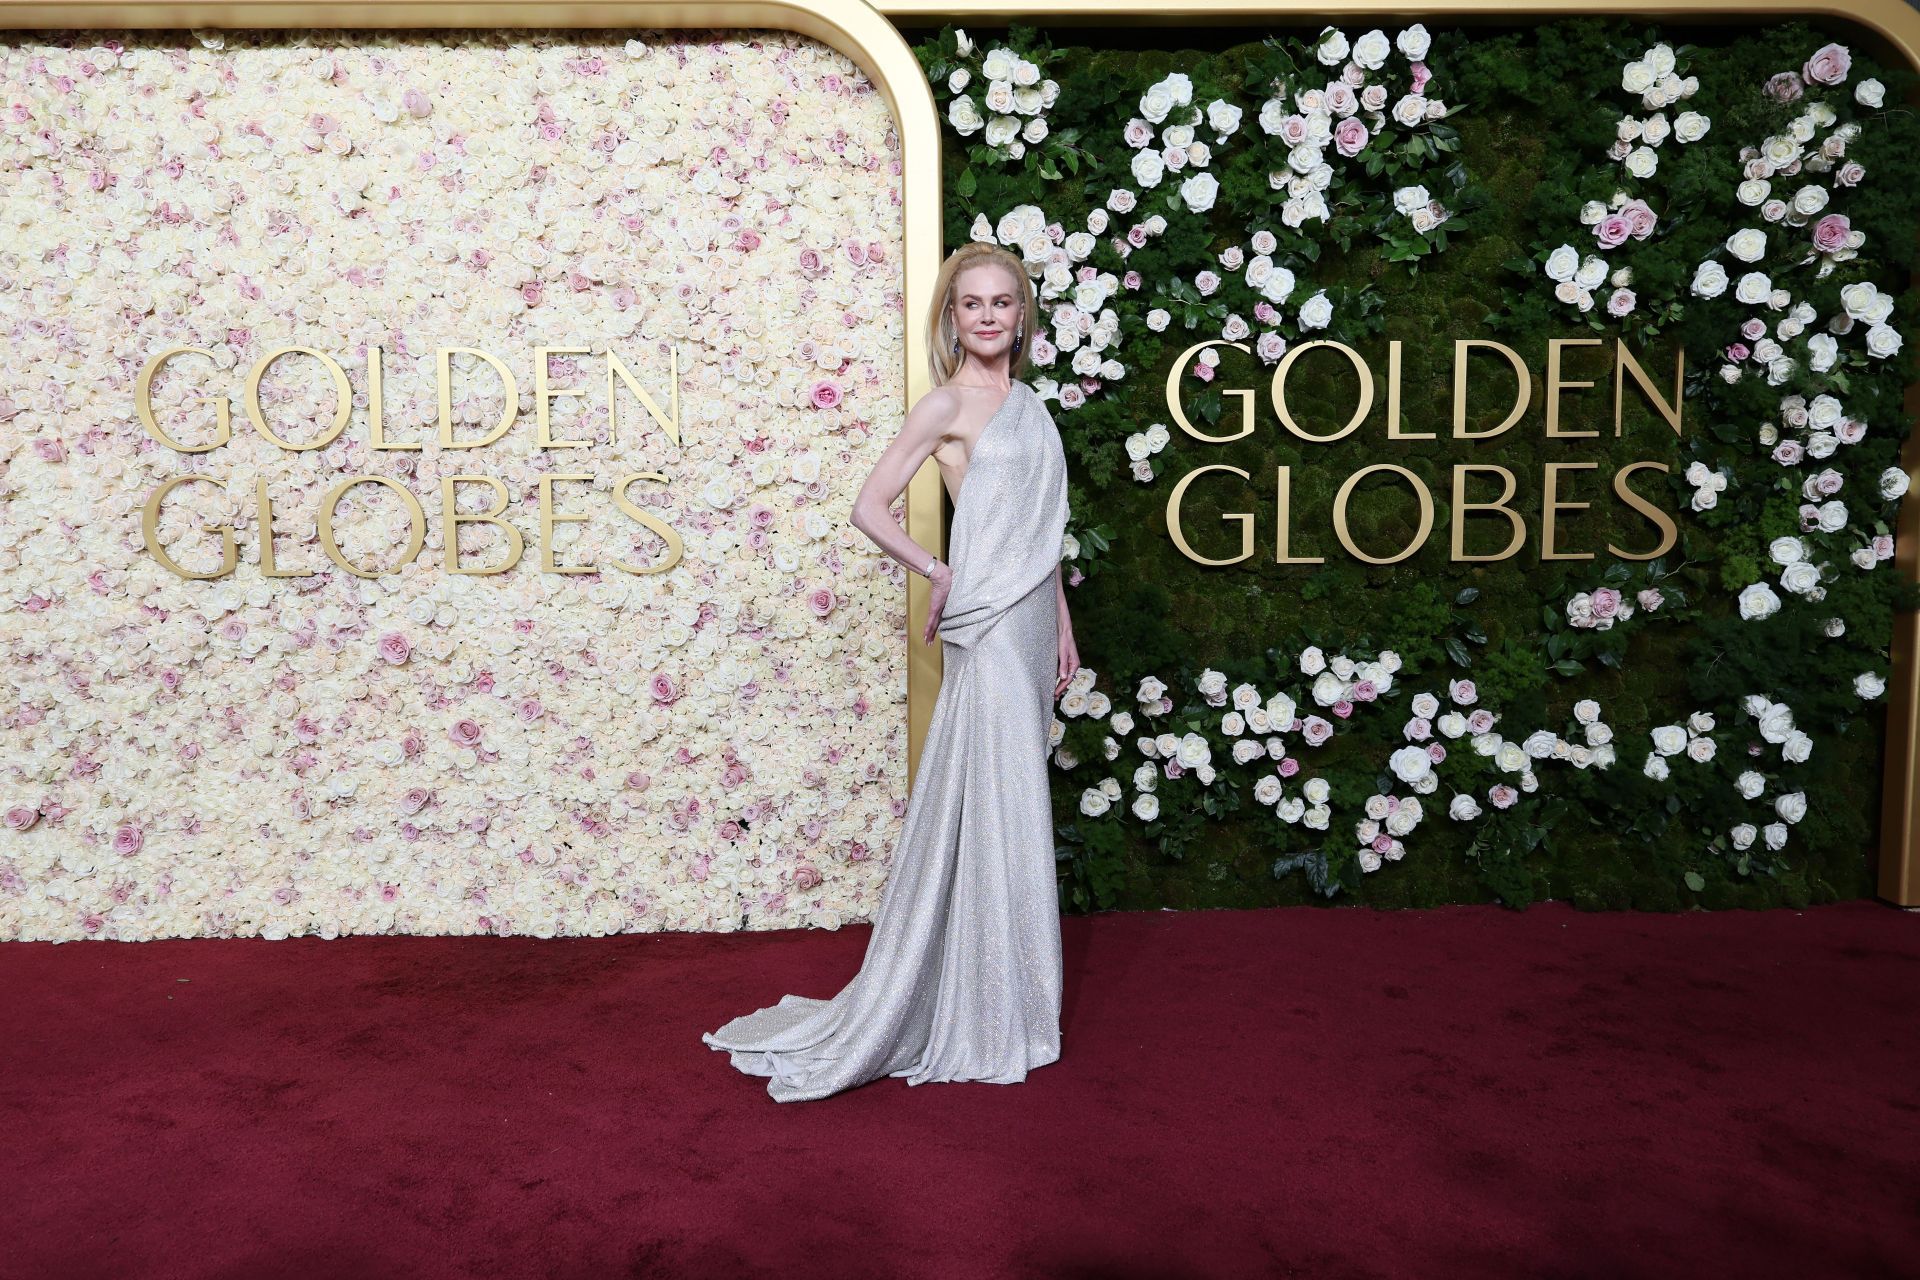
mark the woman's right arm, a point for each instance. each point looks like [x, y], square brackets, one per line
[926, 425]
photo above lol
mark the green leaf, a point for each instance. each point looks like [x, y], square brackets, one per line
[1695, 881]
[966, 184]
[1467, 595]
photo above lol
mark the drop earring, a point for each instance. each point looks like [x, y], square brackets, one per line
[956, 344]
[1018, 337]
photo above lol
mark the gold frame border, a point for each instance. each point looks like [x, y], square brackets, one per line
[872, 41]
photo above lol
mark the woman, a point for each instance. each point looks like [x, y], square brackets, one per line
[962, 975]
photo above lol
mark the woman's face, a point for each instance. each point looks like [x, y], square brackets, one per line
[986, 310]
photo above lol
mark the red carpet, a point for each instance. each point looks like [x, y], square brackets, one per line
[1461, 1092]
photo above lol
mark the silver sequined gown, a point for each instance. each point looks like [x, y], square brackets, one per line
[961, 978]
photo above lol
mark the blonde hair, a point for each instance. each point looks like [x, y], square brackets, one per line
[941, 335]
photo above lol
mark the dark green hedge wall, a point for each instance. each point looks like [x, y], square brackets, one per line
[1536, 109]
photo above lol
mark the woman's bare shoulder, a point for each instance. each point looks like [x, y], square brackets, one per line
[935, 412]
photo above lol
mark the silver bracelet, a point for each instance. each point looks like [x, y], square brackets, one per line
[929, 569]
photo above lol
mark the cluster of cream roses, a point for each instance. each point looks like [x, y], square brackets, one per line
[1346, 114]
[1014, 99]
[1623, 218]
[1800, 150]
[1694, 739]
[1654, 76]
[1075, 296]
[1254, 727]
[1170, 105]
[1774, 721]
[423, 753]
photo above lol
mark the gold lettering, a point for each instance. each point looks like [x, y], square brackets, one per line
[1178, 534]
[342, 394]
[1340, 513]
[1280, 388]
[150, 529]
[549, 518]
[416, 525]
[143, 404]
[1555, 384]
[1549, 512]
[674, 546]
[454, 518]
[1669, 533]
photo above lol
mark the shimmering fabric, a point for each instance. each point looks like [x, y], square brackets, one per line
[961, 978]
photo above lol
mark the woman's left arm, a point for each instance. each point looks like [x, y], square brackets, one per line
[1069, 653]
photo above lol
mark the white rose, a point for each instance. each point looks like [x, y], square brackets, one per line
[1669, 739]
[1410, 764]
[1709, 279]
[1464, 808]
[1792, 806]
[1868, 685]
[1753, 288]
[1758, 601]
[1586, 711]
[1414, 41]
[1749, 244]
[1370, 50]
[1690, 126]
[1750, 784]
[1743, 835]
[1563, 262]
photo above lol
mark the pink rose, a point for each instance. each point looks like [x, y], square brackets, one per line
[1784, 86]
[824, 395]
[21, 816]
[1349, 136]
[1789, 452]
[1612, 230]
[1383, 843]
[806, 877]
[1620, 302]
[1753, 329]
[1364, 691]
[1849, 174]
[1420, 77]
[1436, 751]
[810, 262]
[1606, 602]
[1316, 730]
[1463, 692]
[415, 800]
[530, 709]
[465, 733]
[1502, 796]
[1830, 233]
[1828, 65]
[1343, 708]
[1480, 721]
[821, 600]
[417, 104]
[1737, 352]
[395, 647]
[663, 690]
[127, 840]
[1883, 546]
[1288, 766]
[1650, 599]
[1640, 217]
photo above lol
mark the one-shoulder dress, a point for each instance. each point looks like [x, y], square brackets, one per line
[961, 978]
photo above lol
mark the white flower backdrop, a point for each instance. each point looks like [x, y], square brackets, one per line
[717, 746]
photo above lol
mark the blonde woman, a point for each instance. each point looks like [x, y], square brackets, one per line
[962, 976]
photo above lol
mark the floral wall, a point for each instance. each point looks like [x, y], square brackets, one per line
[1701, 726]
[717, 745]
